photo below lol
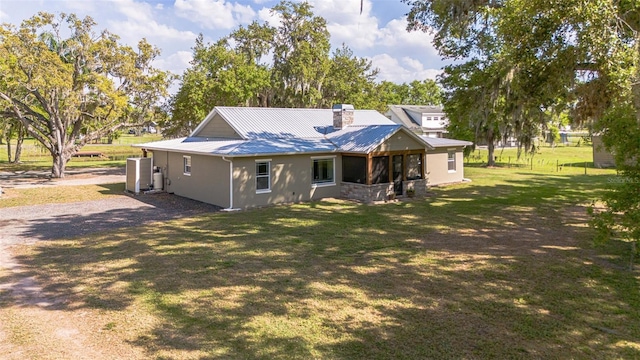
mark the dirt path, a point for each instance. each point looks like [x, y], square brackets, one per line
[34, 324]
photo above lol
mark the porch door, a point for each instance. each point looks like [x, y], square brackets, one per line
[397, 174]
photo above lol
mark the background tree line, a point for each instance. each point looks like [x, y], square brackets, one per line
[290, 65]
[65, 84]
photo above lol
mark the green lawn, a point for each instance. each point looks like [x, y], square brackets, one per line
[35, 157]
[546, 159]
[49, 195]
[502, 267]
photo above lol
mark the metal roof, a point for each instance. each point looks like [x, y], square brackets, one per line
[407, 113]
[362, 139]
[444, 142]
[270, 123]
[286, 131]
[401, 115]
[422, 109]
[226, 147]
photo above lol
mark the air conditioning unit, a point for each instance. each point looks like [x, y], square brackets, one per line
[139, 174]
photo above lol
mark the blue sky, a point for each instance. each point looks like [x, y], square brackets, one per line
[378, 33]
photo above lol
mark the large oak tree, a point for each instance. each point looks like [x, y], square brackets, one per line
[552, 56]
[69, 85]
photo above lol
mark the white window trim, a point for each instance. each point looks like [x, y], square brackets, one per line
[324, 184]
[268, 190]
[455, 160]
[184, 165]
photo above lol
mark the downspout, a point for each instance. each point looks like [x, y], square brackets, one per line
[230, 208]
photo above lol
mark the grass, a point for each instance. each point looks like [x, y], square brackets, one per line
[559, 159]
[502, 267]
[48, 195]
[35, 157]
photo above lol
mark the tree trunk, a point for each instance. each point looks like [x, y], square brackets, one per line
[491, 159]
[21, 135]
[59, 165]
[9, 149]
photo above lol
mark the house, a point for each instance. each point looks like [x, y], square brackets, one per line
[445, 160]
[239, 157]
[427, 120]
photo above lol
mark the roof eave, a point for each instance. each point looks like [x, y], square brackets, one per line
[232, 155]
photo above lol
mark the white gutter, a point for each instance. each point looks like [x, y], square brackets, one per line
[230, 208]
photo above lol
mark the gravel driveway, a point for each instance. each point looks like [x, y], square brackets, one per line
[24, 304]
[28, 224]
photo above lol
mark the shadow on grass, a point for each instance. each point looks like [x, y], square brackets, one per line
[477, 271]
[112, 189]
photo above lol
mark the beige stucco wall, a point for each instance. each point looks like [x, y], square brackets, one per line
[209, 180]
[438, 167]
[400, 141]
[290, 181]
[217, 127]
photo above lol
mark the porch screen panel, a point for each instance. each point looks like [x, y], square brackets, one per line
[380, 170]
[354, 169]
[414, 167]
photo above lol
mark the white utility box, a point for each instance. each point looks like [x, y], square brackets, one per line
[139, 174]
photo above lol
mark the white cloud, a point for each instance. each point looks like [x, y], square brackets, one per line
[137, 11]
[160, 6]
[266, 15]
[81, 6]
[405, 70]
[395, 34]
[341, 11]
[3, 16]
[141, 23]
[358, 35]
[176, 62]
[346, 24]
[214, 14]
[132, 31]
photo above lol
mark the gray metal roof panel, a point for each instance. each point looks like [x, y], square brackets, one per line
[269, 123]
[225, 147]
[362, 138]
[402, 116]
[444, 142]
[422, 109]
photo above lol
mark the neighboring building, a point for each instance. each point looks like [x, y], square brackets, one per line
[445, 160]
[602, 158]
[246, 157]
[427, 120]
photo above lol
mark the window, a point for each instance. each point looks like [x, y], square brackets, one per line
[414, 166]
[452, 160]
[263, 176]
[380, 171]
[323, 171]
[186, 162]
[435, 118]
[354, 169]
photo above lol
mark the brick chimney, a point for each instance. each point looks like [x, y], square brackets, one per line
[342, 116]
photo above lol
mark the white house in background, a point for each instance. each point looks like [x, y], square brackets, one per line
[427, 120]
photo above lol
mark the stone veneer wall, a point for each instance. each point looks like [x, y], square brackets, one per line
[379, 192]
[365, 193]
[420, 186]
